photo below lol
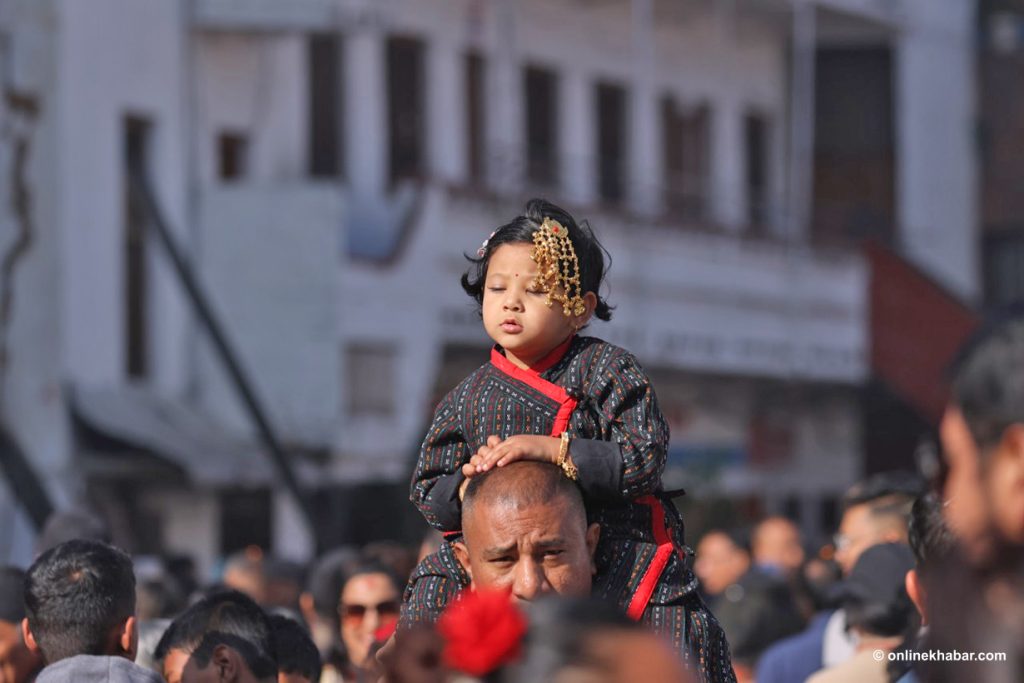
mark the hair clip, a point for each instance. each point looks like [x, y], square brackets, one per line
[483, 246]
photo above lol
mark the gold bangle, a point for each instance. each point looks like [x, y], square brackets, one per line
[564, 461]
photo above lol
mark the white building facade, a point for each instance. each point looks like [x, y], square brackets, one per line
[325, 163]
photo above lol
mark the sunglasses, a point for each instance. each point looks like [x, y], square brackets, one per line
[353, 613]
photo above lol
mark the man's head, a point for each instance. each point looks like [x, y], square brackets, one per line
[775, 544]
[244, 571]
[298, 660]
[875, 511]
[982, 435]
[722, 558]
[225, 636]
[17, 662]
[930, 541]
[525, 529]
[80, 600]
[874, 596]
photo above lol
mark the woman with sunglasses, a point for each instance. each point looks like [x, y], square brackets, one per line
[368, 612]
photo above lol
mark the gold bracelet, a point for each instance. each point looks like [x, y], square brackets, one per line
[564, 461]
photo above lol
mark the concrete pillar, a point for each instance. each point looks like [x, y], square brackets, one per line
[728, 165]
[577, 156]
[644, 129]
[292, 537]
[365, 111]
[936, 170]
[446, 112]
[504, 122]
[801, 135]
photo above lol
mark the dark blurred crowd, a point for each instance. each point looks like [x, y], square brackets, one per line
[922, 581]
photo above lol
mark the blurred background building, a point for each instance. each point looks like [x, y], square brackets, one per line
[788, 189]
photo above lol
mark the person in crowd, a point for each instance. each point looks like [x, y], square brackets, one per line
[982, 435]
[878, 611]
[368, 612]
[80, 614]
[398, 557]
[298, 660]
[319, 605]
[244, 572]
[225, 636]
[932, 543]
[754, 607]
[875, 511]
[590, 640]
[776, 547]
[282, 584]
[18, 663]
[554, 396]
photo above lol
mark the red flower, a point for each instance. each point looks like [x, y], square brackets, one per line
[482, 631]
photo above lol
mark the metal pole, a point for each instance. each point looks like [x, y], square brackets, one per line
[140, 188]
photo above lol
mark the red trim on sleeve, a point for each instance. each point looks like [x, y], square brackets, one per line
[645, 590]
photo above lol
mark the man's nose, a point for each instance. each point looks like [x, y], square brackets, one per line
[530, 581]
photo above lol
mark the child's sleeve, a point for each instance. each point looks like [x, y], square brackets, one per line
[627, 457]
[438, 473]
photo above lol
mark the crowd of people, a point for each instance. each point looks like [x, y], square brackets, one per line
[557, 556]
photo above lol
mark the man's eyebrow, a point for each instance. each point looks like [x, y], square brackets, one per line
[549, 543]
[498, 551]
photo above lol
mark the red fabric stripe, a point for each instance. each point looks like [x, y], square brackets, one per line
[645, 590]
[531, 376]
[562, 418]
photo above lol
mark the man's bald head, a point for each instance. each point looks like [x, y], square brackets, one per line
[525, 530]
[520, 485]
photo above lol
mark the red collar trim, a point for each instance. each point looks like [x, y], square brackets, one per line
[547, 362]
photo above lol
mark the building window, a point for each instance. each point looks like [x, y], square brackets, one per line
[325, 106]
[686, 159]
[136, 137]
[540, 87]
[611, 142]
[232, 156]
[370, 369]
[755, 136]
[475, 113]
[405, 107]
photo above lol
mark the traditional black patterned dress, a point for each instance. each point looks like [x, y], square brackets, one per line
[599, 393]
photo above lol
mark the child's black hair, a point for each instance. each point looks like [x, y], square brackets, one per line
[520, 230]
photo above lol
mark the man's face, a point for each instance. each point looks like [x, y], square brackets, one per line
[983, 491]
[17, 662]
[857, 532]
[514, 310]
[538, 549]
[719, 563]
[174, 665]
[778, 544]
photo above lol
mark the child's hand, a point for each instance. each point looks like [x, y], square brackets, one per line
[519, 447]
[474, 464]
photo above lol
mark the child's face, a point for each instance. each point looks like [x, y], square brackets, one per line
[514, 309]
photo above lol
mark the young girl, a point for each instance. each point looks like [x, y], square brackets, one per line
[551, 395]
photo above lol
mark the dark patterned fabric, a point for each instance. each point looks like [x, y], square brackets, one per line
[619, 444]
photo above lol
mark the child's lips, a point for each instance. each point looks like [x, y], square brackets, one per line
[511, 327]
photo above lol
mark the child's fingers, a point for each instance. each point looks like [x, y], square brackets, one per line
[493, 440]
[468, 470]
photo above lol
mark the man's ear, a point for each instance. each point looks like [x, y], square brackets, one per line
[593, 536]
[30, 640]
[226, 662]
[462, 555]
[915, 589]
[128, 638]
